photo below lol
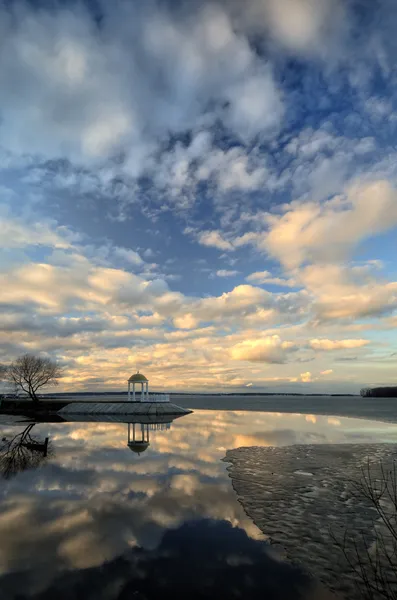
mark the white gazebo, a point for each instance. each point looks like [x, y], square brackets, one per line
[135, 379]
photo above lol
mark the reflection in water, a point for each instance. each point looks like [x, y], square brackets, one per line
[95, 502]
[139, 436]
[22, 451]
[223, 562]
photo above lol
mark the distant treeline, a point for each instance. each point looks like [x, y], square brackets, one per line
[379, 392]
[64, 394]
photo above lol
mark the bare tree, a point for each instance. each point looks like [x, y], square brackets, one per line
[22, 452]
[29, 373]
[372, 556]
[3, 376]
[365, 392]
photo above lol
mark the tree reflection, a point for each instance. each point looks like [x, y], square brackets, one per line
[23, 452]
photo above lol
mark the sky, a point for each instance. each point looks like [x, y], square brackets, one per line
[205, 191]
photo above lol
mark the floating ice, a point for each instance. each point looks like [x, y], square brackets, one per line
[301, 497]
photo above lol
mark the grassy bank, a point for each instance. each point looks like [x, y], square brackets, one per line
[11, 406]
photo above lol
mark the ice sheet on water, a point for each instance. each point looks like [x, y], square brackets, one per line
[300, 496]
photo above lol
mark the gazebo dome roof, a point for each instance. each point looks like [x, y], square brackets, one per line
[138, 447]
[137, 377]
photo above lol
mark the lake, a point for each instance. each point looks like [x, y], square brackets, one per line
[85, 515]
[384, 409]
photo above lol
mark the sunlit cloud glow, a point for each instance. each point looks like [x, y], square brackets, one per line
[207, 192]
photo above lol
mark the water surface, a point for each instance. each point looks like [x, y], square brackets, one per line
[94, 519]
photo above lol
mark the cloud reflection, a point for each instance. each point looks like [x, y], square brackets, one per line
[94, 500]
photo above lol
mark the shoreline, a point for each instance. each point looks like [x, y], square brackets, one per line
[381, 409]
[377, 409]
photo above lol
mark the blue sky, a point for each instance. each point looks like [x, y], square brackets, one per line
[204, 190]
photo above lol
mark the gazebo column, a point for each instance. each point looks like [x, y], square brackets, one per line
[141, 395]
[131, 428]
[144, 433]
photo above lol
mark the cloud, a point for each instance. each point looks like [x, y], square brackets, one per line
[246, 303]
[179, 173]
[214, 239]
[258, 277]
[100, 320]
[327, 372]
[263, 277]
[77, 284]
[346, 292]
[258, 108]
[302, 26]
[325, 344]
[268, 350]
[187, 321]
[16, 233]
[62, 74]
[178, 64]
[314, 232]
[226, 273]
[306, 377]
[128, 255]
[162, 115]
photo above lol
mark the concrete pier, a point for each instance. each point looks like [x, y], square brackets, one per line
[108, 418]
[129, 409]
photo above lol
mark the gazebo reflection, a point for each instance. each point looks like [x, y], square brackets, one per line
[139, 434]
[139, 427]
[138, 437]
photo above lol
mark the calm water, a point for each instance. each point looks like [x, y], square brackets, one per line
[83, 516]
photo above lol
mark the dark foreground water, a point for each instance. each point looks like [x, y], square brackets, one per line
[82, 515]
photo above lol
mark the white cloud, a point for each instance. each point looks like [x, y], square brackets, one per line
[148, 253]
[255, 105]
[306, 377]
[77, 284]
[343, 292]
[17, 233]
[214, 239]
[242, 300]
[128, 255]
[267, 350]
[63, 75]
[258, 277]
[244, 305]
[178, 173]
[313, 232]
[303, 26]
[263, 277]
[121, 319]
[232, 169]
[96, 90]
[327, 372]
[226, 273]
[324, 344]
[187, 321]
[191, 101]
